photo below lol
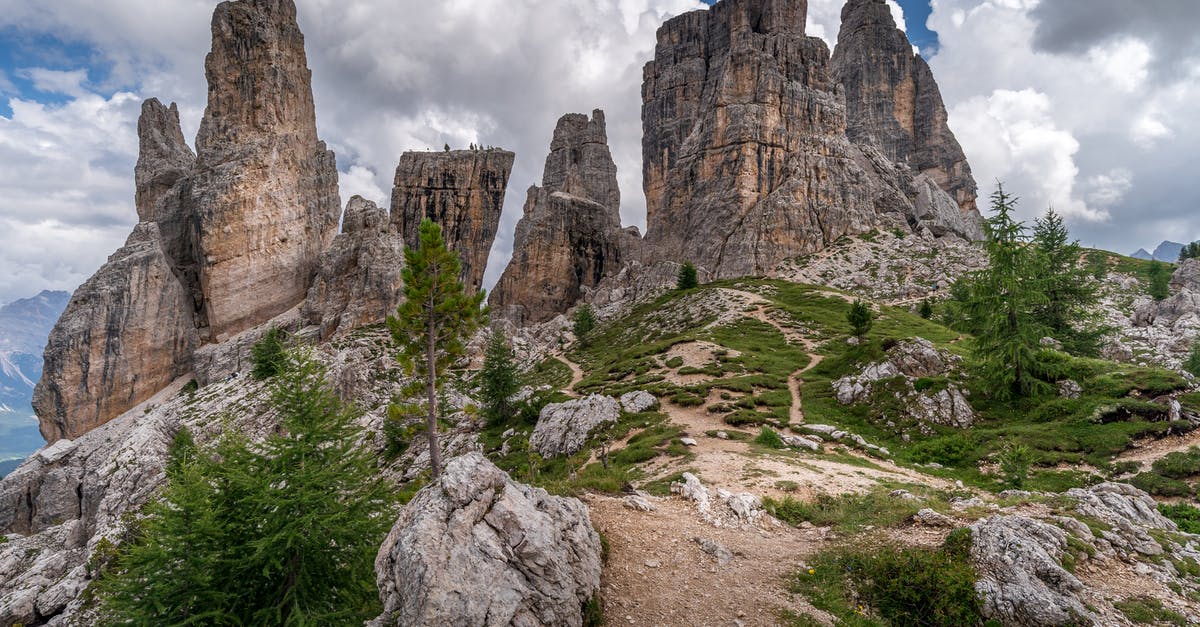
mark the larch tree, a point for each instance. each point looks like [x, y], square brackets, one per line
[434, 322]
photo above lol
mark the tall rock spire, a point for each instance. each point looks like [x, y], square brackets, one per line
[463, 192]
[570, 237]
[893, 102]
[266, 193]
[746, 161]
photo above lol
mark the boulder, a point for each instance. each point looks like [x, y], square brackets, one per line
[569, 238]
[463, 192]
[359, 281]
[563, 428]
[477, 548]
[1069, 388]
[1021, 578]
[638, 401]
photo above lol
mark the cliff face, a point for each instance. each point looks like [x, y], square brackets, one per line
[570, 236]
[359, 281]
[462, 191]
[265, 192]
[746, 161]
[228, 238]
[893, 102]
[126, 334]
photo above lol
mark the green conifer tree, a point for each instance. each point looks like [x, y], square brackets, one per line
[1190, 251]
[498, 380]
[1002, 302]
[926, 309]
[688, 277]
[434, 321]
[1160, 280]
[860, 318]
[1069, 310]
[584, 322]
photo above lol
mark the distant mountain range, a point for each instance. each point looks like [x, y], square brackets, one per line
[24, 326]
[1166, 251]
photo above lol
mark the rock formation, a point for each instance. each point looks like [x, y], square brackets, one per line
[570, 237]
[893, 102]
[563, 428]
[746, 161]
[228, 238]
[359, 281]
[127, 333]
[265, 192]
[462, 191]
[481, 549]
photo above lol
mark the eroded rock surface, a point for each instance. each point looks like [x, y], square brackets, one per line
[893, 102]
[359, 281]
[570, 237]
[477, 548]
[463, 192]
[265, 191]
[907, 363]
[127, 332]
[563, 428]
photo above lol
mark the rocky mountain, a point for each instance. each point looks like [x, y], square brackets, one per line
[570, 237]
[746, 157]
[1166, 251]
[461, 190]
[24, 326]
[893, 102]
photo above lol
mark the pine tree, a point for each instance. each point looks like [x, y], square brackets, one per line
[1002, 302]
[282, 533]
[584, 322]
[926, 309]
[435, 320]
[1160, 280]
[1190, 251]
[498, 381]
[1069, 309]
[1192, 363]
[688, 277]
[268, 355]
[319, 508]
[860, 318]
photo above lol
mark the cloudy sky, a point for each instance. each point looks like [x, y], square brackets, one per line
[1088, 107]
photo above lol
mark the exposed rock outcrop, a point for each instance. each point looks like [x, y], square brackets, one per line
[359, 281]
[570, 237]
[462, 191]
[907, 363]
[477, 548]
[229, 237]
[893, 102]
[746, 162]
[265, 191]
[563, 428]
[127, 333]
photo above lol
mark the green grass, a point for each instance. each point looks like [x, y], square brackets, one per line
[848, 513]
[1184, 515]
[883, 584]
[552, 372]
[1149, 611]
[769, 439]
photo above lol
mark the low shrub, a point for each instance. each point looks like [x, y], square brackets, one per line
[769, 439]
[1184, 515]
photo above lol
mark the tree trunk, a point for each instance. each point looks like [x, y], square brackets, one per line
[435, 453]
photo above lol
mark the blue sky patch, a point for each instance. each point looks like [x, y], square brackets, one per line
[22, 50]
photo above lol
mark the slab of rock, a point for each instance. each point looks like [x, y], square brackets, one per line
[563, 428]
[359, 281]
[265, 192]
[893, 102]
[477, 548]
[127, 332]
[746, 162]
[715, 549]
[463, 192]
[570, 236]
[638, 401]
[1021, 578]
[795, 441]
